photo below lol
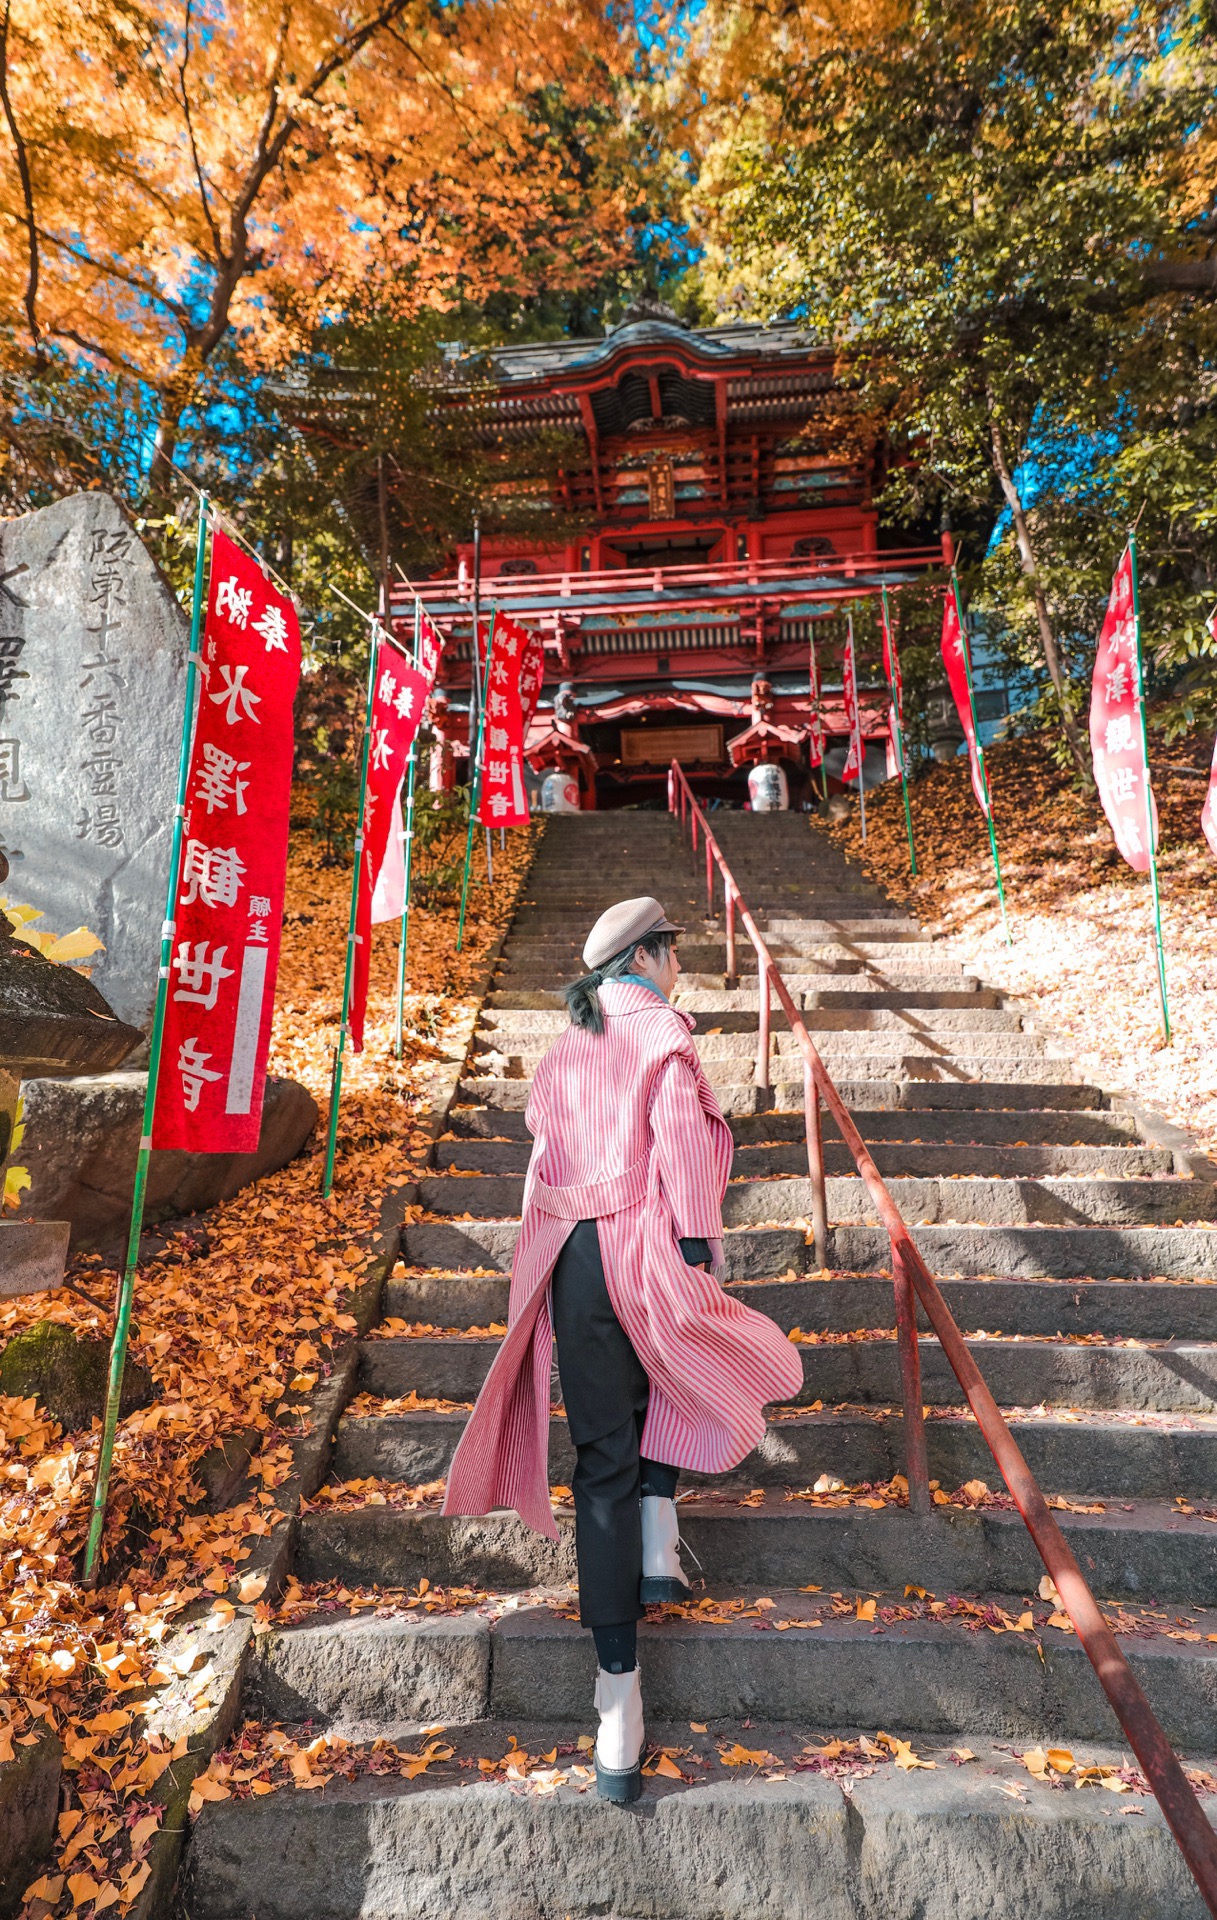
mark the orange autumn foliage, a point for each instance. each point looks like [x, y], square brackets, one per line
[175, 170]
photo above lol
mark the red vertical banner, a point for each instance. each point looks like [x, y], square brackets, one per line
[430, 647]
[503, 801]
[532, 673]
[398, 699]
[388, 898]
[1208, 813]
[895, 681]
[958, 663]
[229, 907]
[1116, 740]
[815, 717]
[849, 682]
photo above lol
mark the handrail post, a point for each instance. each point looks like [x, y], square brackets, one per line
[815, 1166]
[729, 909]
[916, 1466]
[762, 1035]
[709, 881]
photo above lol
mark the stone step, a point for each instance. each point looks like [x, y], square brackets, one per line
[851, 999]
[1098, 1455]
[729, 1845]
[870, 1062]
[739, 1024]
[1174, 1378]
[805, 981]
[936, 1159]
[836, 1047]
[861, 938]
[842, 1302]
[553, 906]
[757, 1253]
[360, 1676]
[1053, 1200]
[1144, 1550]
[904, 1121]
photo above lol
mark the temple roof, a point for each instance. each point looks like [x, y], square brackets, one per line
[714, 346]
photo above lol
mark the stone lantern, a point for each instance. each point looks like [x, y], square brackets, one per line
[52, 1021]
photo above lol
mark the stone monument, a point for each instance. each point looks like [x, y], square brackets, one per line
[93, 649]
[52, 1020]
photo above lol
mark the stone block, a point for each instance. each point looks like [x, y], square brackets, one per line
[68, 1375]
[32, 1255]
[93, 650]
[29, 1802]
[81, 1140]
[365, 1678]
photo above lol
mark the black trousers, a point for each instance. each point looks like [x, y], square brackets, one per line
[605, 1390]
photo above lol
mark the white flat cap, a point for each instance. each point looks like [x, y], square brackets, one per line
[624, 926]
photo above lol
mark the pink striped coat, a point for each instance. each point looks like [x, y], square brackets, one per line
[626, 1131]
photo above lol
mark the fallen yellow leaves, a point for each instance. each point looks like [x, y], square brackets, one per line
[1045, 1764]
[234, 1317]
[347, 1496]
[737, 1756]
[366, 1406]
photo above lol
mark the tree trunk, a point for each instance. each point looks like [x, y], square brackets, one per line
[175, 398]
[1026, 554]
[382, 510]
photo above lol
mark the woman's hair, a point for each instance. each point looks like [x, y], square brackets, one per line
[583, 1001]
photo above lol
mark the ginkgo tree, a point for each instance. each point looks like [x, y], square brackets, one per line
[169, 168]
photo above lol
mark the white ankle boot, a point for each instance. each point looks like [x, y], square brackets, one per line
[662, 1575]
[618, 1752]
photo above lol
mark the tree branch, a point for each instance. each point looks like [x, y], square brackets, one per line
[194, 148]
[27, 193]
[1182, 275]
[112, 272]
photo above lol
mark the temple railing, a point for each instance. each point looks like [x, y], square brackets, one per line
[911, 1277]
[823, 576]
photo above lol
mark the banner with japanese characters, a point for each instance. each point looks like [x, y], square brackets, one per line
[1116, 740]
[957, 663]
[849, 680]
[389, 896]
[503, 801]
[399, 696]
[532, 673]
[895, 681]
[225, 950]
[1208, 813]
[815, 715]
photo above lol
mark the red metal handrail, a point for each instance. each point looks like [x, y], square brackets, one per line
[1161, 1765]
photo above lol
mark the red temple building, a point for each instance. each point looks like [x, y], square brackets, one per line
[719, 482]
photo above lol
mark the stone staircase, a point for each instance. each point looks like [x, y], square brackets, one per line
[1077, 1247]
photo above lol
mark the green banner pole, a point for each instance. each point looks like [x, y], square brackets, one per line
[1149, 803]
[904, 778]
[403, 938]
[126, 1291]
[475, 785]
[331, 1145]
[980, 757]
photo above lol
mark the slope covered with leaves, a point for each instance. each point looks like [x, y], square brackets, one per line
[1082, 922]
[244, 1302]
